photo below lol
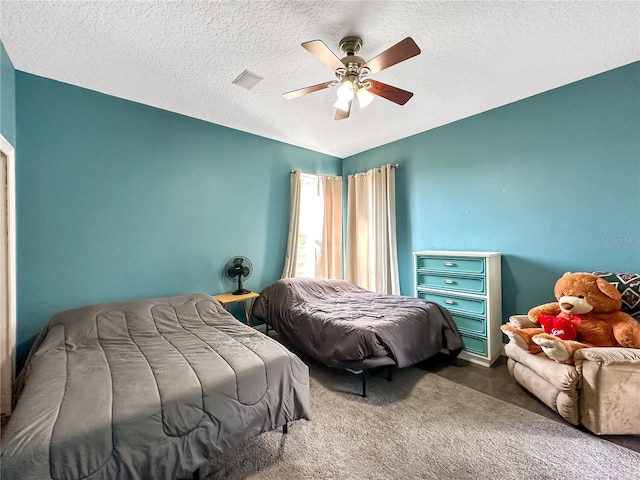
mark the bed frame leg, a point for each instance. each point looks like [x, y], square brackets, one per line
[364, 384]
[285, 428]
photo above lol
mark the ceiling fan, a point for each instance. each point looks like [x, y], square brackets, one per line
[352, 73]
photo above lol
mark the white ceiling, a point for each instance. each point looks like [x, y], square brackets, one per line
[182, 56]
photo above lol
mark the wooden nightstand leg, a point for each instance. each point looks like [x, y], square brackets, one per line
[247, 313]
[248, 310]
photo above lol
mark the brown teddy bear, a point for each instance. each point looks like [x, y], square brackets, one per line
[592, 305]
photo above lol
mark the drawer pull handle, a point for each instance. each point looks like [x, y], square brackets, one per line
[449, 282]
[449, 302]
[449, 264]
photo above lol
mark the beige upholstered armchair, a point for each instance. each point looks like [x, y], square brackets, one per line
[602, 390]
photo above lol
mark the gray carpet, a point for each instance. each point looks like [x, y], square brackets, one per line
[420, 426]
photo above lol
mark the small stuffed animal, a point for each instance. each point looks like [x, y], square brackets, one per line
[562, 326]
[601, 323]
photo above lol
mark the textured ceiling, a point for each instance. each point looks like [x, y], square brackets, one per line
[182, 56]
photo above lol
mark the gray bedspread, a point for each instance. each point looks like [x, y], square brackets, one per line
[340, 323]
[147, 389]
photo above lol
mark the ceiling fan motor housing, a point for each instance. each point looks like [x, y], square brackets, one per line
[350, 46]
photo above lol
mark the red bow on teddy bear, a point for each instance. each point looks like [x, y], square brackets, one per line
[562, 325]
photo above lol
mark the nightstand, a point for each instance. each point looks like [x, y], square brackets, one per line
[247, 300]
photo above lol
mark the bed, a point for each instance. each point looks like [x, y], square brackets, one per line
[147, 389]
[347, 327]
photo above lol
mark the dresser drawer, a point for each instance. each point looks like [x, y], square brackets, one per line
[453, 303]
[451, 264]
[447, 282]
[474, 344]
[469, 324]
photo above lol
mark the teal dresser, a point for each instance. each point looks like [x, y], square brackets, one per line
[469, 285]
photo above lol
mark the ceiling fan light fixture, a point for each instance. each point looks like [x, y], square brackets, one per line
[342, 104]
[364, 96]
[345, 90]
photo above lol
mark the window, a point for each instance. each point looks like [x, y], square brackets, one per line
[314, 245]
[311, 220]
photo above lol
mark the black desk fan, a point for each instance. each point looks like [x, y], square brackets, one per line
[237, 269]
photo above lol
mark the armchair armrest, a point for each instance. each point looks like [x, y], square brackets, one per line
[522, 321]
[604, 356]
[610, 389]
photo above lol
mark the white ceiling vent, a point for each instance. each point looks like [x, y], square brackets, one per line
[247, 79]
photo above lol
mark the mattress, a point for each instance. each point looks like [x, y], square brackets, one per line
[345, 326]
[147, 389]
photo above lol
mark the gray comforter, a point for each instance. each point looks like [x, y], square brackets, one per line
[342, 324]
[147, 390]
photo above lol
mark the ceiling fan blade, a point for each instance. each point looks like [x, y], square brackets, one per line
[341, 114]
[400, 52]
[395, 94]
[318, 49]
[304, 91]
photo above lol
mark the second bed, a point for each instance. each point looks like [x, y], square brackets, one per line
[347, 327]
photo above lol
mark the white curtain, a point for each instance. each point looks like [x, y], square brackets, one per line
[330, 259]
[291, 257]
[371, 250]
[314, 246]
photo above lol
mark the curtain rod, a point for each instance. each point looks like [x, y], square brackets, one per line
[317, 174]
[395, 165]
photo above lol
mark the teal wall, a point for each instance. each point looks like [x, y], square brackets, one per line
[117, 200]
[7, 97]
[552, 182]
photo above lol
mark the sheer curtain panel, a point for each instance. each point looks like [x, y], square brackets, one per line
[291, 256]
[371, 250]
[330, 261]
[314, 246]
